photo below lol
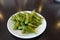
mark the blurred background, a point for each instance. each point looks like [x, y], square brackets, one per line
[50, 9]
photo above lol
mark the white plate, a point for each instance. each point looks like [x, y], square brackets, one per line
[39, 30]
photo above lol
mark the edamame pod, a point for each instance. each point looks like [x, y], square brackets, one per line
[16, 25]
[27, 18]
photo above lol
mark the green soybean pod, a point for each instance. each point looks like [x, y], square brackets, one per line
[30, 29]
[23, 30]
[30, 24]
[18, 17]
[16, 25]
[27, 18]
[30, 17]
[20, 28]
[22, 17]
[37, 17]
[13, 18]
[35, 23]
[23, 26]
[36, 20]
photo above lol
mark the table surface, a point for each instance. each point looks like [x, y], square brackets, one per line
[51, 11]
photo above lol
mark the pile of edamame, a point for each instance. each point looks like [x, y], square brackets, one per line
[26, 22]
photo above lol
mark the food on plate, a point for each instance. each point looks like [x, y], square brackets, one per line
[26, 22]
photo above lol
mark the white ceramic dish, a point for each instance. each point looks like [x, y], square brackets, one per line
[18, 34]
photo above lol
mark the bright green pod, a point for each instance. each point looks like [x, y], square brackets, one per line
[30, 29]
[20, 28]
[16, 25]
[18, 17]
[30, 24]
[27, 18]
[13, 18]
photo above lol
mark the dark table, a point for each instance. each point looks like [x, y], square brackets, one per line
[51, 11]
